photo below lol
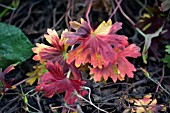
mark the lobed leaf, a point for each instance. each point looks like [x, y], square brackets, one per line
[120, 67]
[55, 81]
[95, 45]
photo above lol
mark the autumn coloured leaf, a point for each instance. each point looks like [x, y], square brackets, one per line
[55, 81]
[40, 69]
[120, 67]
[95, 45]
[124, 66]
[146, 105]
[3, 84]
[110, 71]
[55, 52]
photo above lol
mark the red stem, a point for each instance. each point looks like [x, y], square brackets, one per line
[124, 14]
[163, 74]
[118, 5]
[22, 81]
[88, 11]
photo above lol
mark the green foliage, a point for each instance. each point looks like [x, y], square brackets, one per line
[167, 49]
[148, 39]
[167, 56]
[13, 6]
[14, 45]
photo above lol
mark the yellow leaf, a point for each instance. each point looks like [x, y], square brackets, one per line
[103, 28]
[145, 15]
[146, 27]
[74, 112]
[75, 25]
[40, 69]
[13, 87]
[32, 80]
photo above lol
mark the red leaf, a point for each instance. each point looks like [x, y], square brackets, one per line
[124, 66]
[109, 71]
[7, 70]
[5, 85]
[95, 46]
[53, 52]
[119, 68]
[55, 81]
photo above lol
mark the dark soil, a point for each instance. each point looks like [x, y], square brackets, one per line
[35, 16]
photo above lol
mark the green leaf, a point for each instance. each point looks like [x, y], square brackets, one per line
[15, 3]
[167, 57]
[167, 49]
[14, 45]
[148, 39]
[24, 97]
[167, 60]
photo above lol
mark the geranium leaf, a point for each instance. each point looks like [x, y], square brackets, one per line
[95, 45]
[55, 81]
[146, 105]
[121, 68]
[14, 45]
[56, 51]
[3, 84]
[40, 69]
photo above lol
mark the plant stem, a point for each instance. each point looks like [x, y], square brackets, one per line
[124, 14]
[90, 102]
[8, 7]
[89, 92]
[23, 81]
[69, 71]
[129, 19]
[88, 11]
[68, 74]
[156, 82]
[118, 5]
[142, 33]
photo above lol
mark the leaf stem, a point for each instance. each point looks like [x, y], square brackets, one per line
[129, 19]
[124, 14]
[118, 5]
[89, 92]
[90, 102]
[142, 33]
[68, 74]
[156, 82]
[88, 11]
[23, 81]
[8, 7]
[69, 71]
